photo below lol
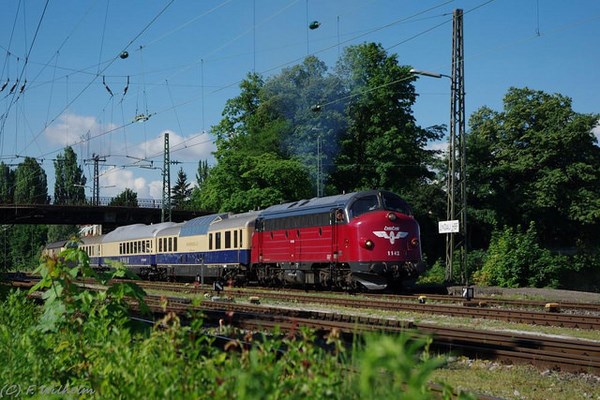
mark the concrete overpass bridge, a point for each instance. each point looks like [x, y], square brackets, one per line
[109, 217]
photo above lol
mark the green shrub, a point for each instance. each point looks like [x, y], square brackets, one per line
[516, 259]
[84, 343]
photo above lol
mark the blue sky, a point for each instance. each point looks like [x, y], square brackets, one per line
[186, 58]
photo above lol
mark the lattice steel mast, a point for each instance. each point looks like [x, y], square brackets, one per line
[166, 195]
[457, 193]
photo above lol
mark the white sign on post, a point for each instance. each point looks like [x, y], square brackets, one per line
[448, 226]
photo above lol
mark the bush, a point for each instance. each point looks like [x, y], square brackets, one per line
[516, 259]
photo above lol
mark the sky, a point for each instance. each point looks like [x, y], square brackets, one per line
[110, 78]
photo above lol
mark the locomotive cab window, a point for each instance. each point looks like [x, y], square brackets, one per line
[363, 205]
[394, 203]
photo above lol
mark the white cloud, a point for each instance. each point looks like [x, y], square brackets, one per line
[71, 129]
[155, 189]
[115, 180]
[195, 147]
[441, 146]
[596, 131]
[122, 171]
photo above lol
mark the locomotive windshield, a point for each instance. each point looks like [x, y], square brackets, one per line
[364, 204]
[383, 201]
[392, 202]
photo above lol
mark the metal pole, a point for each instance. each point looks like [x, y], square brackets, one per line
[202, 271]
[166, 195]
[457, 153]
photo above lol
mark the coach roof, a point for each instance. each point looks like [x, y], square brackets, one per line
[137, 231]
[199, 225]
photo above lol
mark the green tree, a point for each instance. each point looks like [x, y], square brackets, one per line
[308, 131]
[202, 172]
[252, 168]
[7, 184]
[383, 147]
[180, 193]
[241, 183]
[7, 188]
[537, 160]
[68, 190]
[127, 198]
[31, 186]
[69, 179]
[26, 244]
[27, 241]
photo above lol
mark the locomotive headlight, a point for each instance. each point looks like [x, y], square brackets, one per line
[369, 244]
[414, 242]
[392, 217]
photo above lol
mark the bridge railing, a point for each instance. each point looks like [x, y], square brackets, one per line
[144, 203]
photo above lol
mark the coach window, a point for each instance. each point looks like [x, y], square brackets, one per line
[241, 245]
[175, 243]
[210, 241]
[159, 245]
[120, 248]
[235, 239]
[228, 239]
[170, 244]
[218, 240]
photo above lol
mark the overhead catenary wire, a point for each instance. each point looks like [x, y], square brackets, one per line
[172, 104]
[87, 86]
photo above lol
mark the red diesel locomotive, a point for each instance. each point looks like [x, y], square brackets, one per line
[365, 239]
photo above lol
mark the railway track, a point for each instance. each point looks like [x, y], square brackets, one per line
[542, 351]
[548, 352]
[465, 309]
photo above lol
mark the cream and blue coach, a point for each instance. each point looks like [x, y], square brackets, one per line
[135, 246]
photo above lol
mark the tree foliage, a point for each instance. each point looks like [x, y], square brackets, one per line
[516, 259]
[69, 189]
[356, 123]
[537, 160]
[383, 147]
[69, 179]
[181, 191]
[26, 241]
[7, 184]
[127, 198]
[31, 186]
[202, 172]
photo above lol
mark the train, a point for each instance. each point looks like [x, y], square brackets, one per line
[366, 240]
